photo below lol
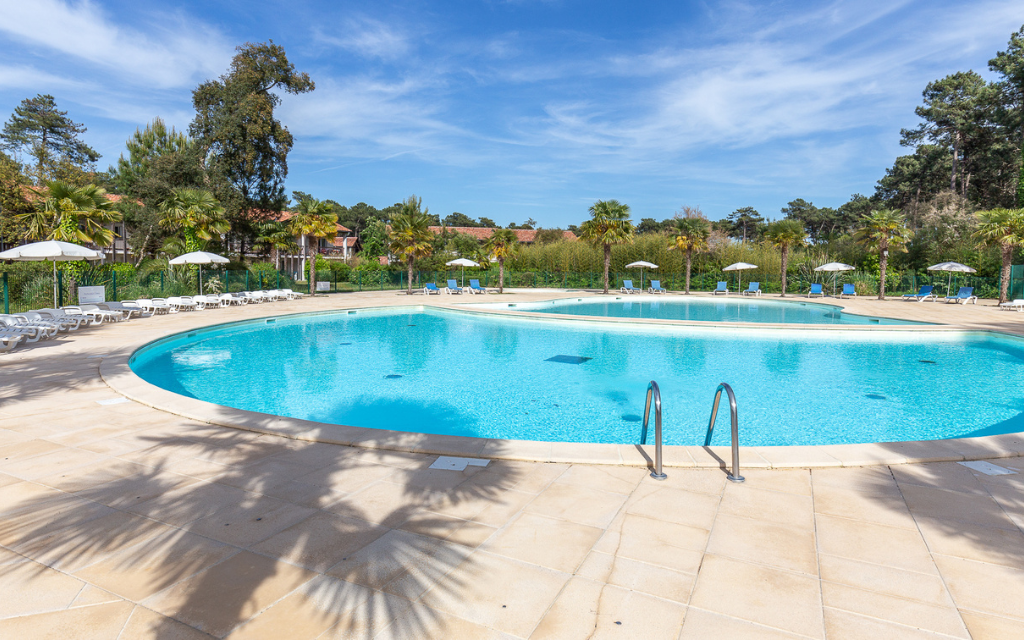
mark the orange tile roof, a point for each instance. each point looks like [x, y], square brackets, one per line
[283, 216]
[32, 193]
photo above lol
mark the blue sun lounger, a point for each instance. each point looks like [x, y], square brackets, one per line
[722, 288]
[753, 289]
[965, 295]
[816, 290]
[430, 289]
[922, 295]
[453, 287]
[656, 287]
[627, 287]
[474, 287]
[848, 290]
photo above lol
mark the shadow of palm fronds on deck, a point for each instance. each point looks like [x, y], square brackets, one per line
[210, 526]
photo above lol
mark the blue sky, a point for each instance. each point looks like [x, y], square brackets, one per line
[530, 108]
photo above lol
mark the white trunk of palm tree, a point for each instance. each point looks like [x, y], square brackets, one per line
[607, 264]
[689, 265]
[305, 253]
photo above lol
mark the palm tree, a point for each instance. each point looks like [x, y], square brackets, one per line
[1003, 228]
[884, 229]
[197, 214]
[71, 214]
[691, 236]
[784, 235]
[410, 237]
[274, 237]
[609, 224]
[313, 219]
[501, 245]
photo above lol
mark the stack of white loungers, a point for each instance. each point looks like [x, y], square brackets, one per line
[44, 324]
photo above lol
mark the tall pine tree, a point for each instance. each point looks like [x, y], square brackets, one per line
[40, 130]
[244, 146]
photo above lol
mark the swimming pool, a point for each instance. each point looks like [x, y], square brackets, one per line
[478, 374]
[700, 309]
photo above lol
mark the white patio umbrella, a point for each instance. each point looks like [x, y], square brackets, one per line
[200, 258]
[951, 267]
[834, 268]
[462, 262]
[739, 266]
[640, 264]
[54, 251]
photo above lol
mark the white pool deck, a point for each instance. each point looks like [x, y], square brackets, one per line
[128, 512]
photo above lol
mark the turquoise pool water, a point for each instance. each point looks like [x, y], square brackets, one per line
[700, 309]
[474, 374]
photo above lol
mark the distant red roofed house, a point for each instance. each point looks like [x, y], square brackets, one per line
[342, 244]
[525, 236]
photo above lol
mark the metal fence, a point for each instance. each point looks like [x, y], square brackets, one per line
[33, 288]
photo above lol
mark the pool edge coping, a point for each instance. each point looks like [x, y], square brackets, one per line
[118, 375]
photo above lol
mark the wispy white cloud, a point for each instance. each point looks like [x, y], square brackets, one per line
[367, 118]
[793, 79]
[172, 52]
[27, 77]
[368, 38]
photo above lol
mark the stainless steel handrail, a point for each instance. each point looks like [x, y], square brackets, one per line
[653, 392]
[735, 475]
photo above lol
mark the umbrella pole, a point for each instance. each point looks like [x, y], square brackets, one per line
[949, 282]
[54, 284]
[200, 280]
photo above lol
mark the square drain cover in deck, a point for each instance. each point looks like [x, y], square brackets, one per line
[450, 463]
[569, 359]
[988, 468]
[121, 400]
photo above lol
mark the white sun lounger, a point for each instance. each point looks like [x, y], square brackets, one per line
[231, 299]
[1017, 305]
[197, 301]
[62, 316]
[30, 333]
[94, 310]
[128, 310]
[178, 302]
[67, 322]
[209, 302]
[34, 317]
[153, 306]
[97, 318]
[8, 342]
[18, 322]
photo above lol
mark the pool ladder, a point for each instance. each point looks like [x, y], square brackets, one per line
[654, 394]
[735, 475]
